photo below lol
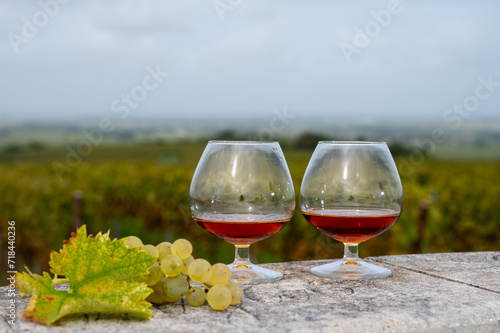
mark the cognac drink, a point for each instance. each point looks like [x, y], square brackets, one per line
[241, 229]
[351, 225]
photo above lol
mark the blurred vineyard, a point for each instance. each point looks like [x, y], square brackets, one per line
[148, 197]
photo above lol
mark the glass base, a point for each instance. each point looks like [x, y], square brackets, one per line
[351, 270]
[249, 273]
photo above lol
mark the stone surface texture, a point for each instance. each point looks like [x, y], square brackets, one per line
[447, 292]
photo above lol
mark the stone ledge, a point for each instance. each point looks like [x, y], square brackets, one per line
[447, 292]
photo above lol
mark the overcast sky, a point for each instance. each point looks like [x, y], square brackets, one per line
[238, 58]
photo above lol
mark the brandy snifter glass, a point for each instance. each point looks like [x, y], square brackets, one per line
[351, 191]
[242, 192]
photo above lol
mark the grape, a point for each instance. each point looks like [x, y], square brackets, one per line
[221, 274]
[155, 274]
[171, 265]
[176, 287]
[236, 292]
[185, 264]
[200, 270]
[170, 299]
[151, 250]
[219, 297]
[182, 248]
[164, 249]
[132, 241]
[195, 296]
[176, 258]
[158, 296]
[158, 287]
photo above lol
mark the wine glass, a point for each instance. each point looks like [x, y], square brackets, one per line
[242, 192]
[351, 191]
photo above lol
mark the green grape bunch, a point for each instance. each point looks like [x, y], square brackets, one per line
[175, 268]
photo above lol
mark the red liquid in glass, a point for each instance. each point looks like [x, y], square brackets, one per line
[242, 233]
[351, 226]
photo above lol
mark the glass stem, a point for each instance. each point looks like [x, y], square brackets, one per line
[350, 253]
[242, 255]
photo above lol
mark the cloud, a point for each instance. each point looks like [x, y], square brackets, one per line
[261, 56]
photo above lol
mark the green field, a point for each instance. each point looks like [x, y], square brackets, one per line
[143, 190]
[470, 153]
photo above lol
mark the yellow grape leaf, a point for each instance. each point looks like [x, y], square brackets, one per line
[104, 277]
